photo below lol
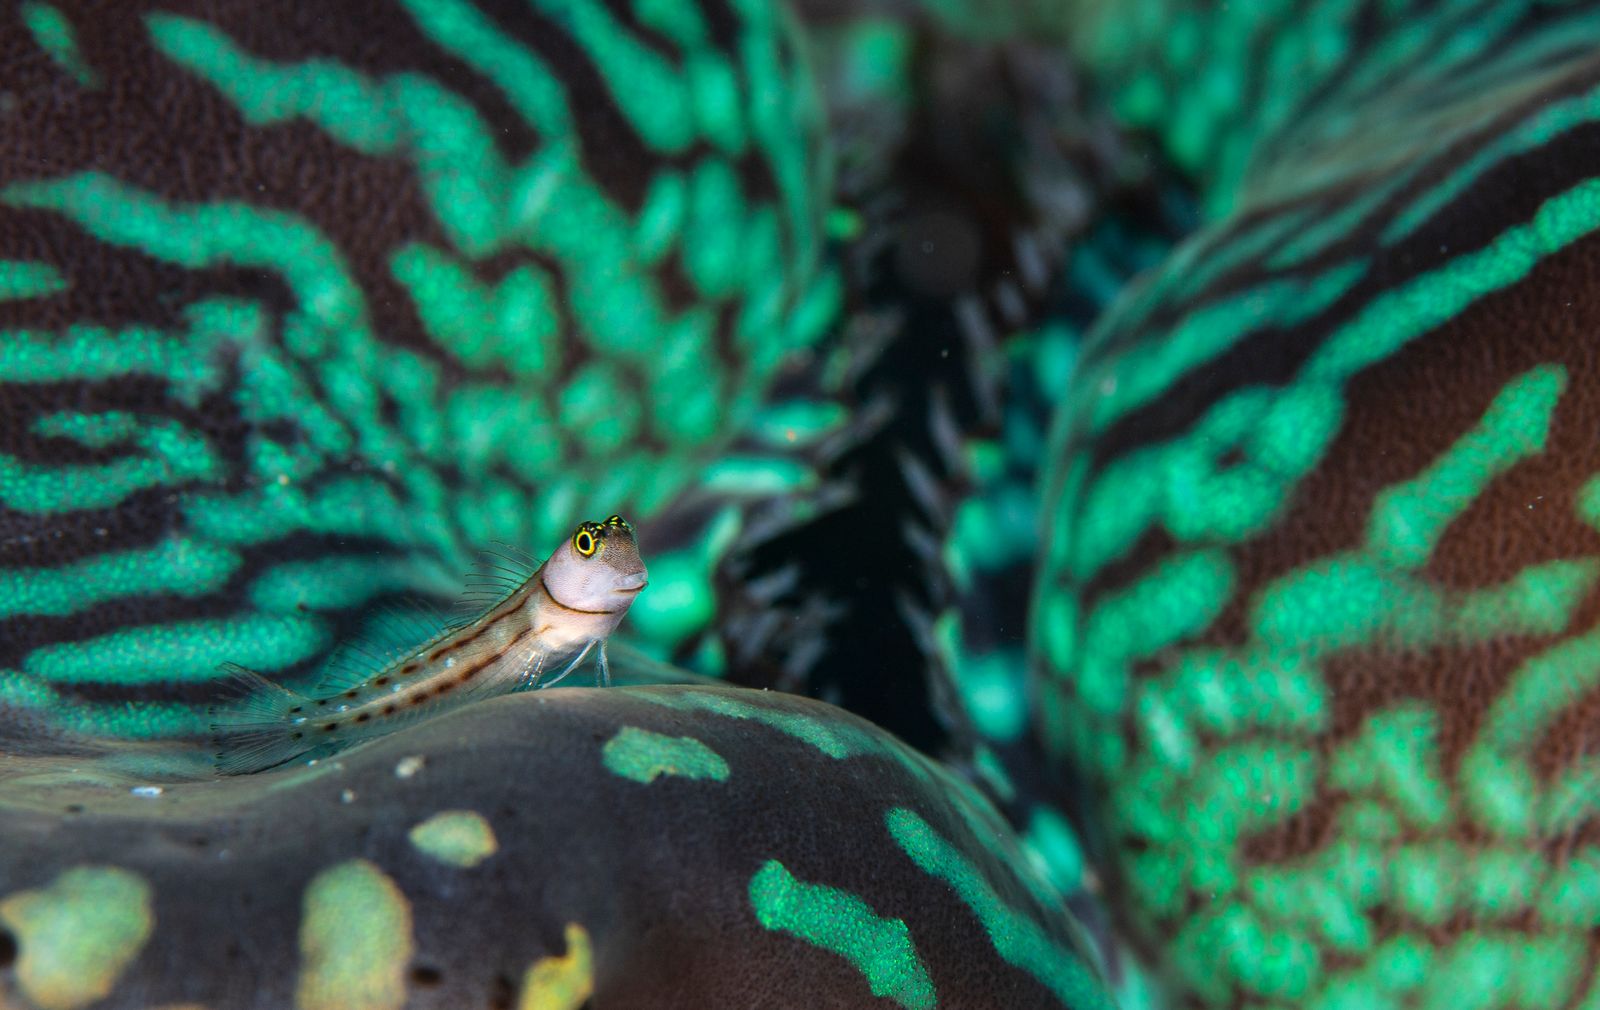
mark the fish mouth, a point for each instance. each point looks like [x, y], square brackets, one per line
[631, 583]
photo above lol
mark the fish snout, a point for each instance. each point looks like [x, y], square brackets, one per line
[632, 582]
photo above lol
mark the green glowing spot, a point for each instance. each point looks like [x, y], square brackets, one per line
[714, 92]
[661, 218]
[641, 755]
[1401, 314]
[53, 33]
[680, 599]
[835, 738]
[798, 423]
[459, 838]
[355, 940]
[1053, 847]
[643, 83]
[329, 583]
[97, 431]
[988, 766]
[178, 566]
[21, 279]
[840, 922]
[158, 453]
[511, 325]
[77, 935]
[876, 53]
[1016, 938]
[1396, 758]
[472, 37]
[561, 983]
[1409, 518]
[990, 684]
[758, 477]
[198, 235]
[713, 248]
[819, 308]
[1547, 123]
[181, 650]
[598, 402]
[1127, 381]
[350, 107]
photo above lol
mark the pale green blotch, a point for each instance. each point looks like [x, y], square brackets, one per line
[643, 756]
[355, 940]
[561, 983]
[77, 935]
[842, 923]
[836, 739]
[1018, 940]
[461, 838]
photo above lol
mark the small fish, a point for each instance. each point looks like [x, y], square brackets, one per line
[543, 618]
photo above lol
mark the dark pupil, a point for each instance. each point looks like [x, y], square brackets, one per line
[585, 543]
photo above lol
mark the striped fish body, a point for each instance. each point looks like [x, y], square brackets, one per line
[531, 637]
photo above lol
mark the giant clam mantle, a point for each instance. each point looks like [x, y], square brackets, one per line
[298, 307]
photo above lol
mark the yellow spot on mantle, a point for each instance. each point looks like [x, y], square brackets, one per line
[457, 837]
[75, 937]
[561, 983]
[355, 940]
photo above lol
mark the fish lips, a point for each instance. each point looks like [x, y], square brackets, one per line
[631, 584]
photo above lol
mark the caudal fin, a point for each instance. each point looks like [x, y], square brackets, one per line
[253, 729]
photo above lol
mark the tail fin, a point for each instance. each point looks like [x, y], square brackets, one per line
[255, 730]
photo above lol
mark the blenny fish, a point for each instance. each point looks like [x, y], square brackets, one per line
[542, 616]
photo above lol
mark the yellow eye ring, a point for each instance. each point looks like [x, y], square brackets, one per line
[584, 543]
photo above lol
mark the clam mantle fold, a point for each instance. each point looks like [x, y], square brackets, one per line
[640, 847]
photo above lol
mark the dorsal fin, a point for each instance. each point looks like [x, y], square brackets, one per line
[500, 571]
[392, 631]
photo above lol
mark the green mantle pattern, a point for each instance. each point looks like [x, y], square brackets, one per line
[301, 307]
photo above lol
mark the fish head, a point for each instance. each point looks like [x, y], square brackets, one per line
[598, 568]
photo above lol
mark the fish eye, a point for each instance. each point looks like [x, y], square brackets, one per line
[583, 542]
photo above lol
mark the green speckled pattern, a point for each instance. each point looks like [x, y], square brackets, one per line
[682, 892]
[300, 306]
[1317, 625]
[522, 262]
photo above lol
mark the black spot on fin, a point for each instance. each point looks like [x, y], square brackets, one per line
[251, 725]
[393, 632]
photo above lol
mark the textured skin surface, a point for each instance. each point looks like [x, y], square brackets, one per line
[1317, 621]
[820, 830]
